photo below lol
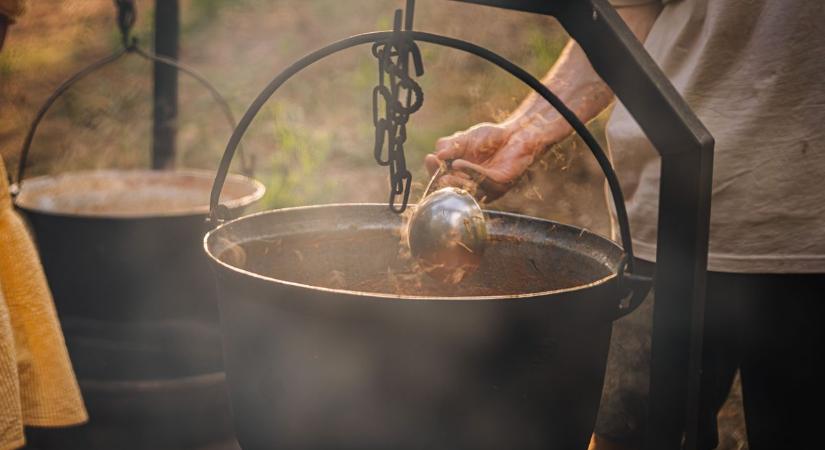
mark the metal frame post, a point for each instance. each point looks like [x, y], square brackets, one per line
[686, 149]
[165, 95]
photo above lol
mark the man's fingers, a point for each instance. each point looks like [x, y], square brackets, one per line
[493, 182]
[479, 155]
[495, 174]
[451, 147]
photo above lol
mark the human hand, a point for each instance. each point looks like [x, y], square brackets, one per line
[492, 157]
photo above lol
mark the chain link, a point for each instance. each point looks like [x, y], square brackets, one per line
[398, 95]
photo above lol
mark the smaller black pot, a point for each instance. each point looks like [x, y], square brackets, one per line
[123, 245]
[122, 254]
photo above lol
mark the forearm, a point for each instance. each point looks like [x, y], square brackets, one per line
[575, 82]
[501, 152]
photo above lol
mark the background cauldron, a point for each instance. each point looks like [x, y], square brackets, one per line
[117, 245]
[320, 353]
[122, 254]
[136, 303]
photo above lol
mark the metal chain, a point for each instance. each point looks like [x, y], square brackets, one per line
[400, 95]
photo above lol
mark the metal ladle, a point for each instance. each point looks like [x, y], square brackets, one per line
[447, 233]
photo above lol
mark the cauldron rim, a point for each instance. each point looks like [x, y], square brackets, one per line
[603, 282]
[256, 192]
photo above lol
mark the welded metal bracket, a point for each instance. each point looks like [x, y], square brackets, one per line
[686, 148]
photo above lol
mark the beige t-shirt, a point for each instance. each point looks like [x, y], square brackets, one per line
[754, 73]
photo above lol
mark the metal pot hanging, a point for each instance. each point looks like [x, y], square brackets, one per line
[332, 341]
[122, 255]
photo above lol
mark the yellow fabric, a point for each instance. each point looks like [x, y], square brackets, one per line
[37, 383]
[12, 8]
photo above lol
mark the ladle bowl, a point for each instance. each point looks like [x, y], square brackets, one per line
[447, 234]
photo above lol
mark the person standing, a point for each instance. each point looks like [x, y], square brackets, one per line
[754, 73]
[37, 384]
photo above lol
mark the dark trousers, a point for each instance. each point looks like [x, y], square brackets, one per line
[769, 326]
[772, 328]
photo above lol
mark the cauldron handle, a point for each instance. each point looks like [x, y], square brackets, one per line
[636, 286]
[44, 108]
[218, 213]
[126, 18]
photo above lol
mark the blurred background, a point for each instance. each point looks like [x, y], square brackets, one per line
[312, 143]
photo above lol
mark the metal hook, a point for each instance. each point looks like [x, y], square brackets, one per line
[126, 18]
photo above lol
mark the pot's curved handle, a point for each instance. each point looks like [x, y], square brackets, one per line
[44, 108]
[636, 287]
[247, 160]
[126, 18]
[217, 213]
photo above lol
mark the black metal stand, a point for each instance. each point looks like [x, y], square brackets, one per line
[165, 111]
[686, 148]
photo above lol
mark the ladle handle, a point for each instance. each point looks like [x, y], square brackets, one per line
[218, 214]
[130, 46]
[433, 179]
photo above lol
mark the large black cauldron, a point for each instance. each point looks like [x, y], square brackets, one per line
[322, 351]
[333, 340]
